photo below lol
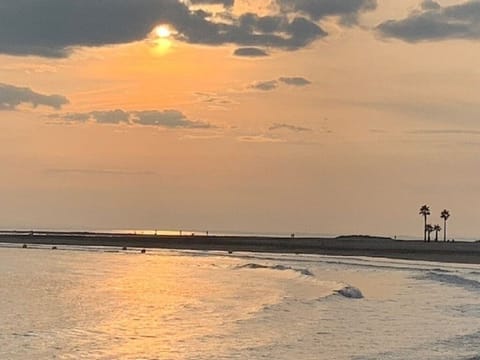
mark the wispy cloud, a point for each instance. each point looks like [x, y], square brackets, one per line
[289, 127]
[264, 85]
[295, 81]
[273, 84]
[214, 100]
[259, 139]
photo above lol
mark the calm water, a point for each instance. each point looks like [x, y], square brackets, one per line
[96, 304]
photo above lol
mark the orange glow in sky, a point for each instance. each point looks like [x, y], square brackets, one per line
[239, 115]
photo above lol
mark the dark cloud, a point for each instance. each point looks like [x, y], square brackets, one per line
[296, 81]
[433, 22]
[265, 85]
[348, 10]
[430, 5]
[77, 117]
[250, 52]
[54, 28]
[278, 126]
[13, 96]
[161, 118]
[168, 119]
[255, 31]
[226, 3]
[110, 117]
[101, 117]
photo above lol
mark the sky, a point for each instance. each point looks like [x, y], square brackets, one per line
[274, 116]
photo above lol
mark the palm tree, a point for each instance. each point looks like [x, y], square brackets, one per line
[445, 215]
[429, 230]
[436, 228]
[424, 211]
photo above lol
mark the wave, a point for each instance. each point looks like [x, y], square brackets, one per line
[350, 292]
[302, 271]
[452, 279]
[330, 287]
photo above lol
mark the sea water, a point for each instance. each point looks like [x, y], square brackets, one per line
[103, 303]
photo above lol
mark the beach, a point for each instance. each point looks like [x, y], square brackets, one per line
[453, 252]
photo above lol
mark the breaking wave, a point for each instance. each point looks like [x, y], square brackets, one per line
[350, 292]
[452, 279]
[302, 271]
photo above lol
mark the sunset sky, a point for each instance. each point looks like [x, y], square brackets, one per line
[308, 116]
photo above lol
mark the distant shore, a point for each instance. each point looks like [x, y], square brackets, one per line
[456, 252]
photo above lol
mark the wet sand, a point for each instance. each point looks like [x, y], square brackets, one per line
[457, 252]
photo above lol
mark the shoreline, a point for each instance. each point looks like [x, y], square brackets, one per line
[452, 252]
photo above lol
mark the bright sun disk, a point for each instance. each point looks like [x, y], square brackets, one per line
[162, 31]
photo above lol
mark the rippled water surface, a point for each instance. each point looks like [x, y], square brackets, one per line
[90, 303]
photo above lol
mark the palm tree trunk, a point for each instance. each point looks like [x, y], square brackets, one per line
[444, 230]
[436, 235]
[424, 228]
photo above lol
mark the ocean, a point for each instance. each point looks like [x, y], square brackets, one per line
[104, 303]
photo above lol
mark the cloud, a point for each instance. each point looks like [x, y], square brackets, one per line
[273, 84]
[160, 118]
[250, 52]
[225, 3]
[295, 81]
[259, 139]
[433, 22]
[54, 28]
[430, 5]
[348, 10]
[168, 119]
[278, 126]
[215, 101]
[110, 117]
[264, 85]
[12, 96]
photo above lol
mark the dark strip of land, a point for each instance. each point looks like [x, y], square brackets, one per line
[457, 252]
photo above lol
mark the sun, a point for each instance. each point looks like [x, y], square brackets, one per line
[163, 31]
